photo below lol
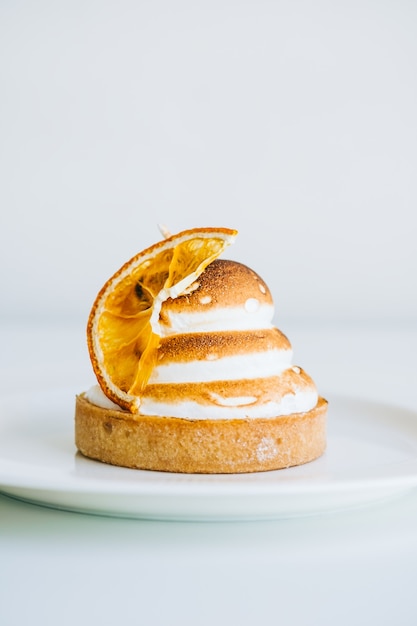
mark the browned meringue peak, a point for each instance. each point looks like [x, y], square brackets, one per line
[223, 283]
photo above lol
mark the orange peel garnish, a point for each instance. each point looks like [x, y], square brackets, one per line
[123, 332]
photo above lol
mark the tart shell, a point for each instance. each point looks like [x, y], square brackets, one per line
[210, 446]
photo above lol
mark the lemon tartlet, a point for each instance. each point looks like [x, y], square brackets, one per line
[192, 375]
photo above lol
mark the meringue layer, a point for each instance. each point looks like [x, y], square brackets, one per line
[220, 357]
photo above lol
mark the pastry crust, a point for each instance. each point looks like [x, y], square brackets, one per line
[208, 446]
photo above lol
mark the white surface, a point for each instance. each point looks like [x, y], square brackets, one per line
[372, 454]
[357, 566]
[291, 121]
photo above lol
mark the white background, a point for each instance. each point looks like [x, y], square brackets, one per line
[293, 121]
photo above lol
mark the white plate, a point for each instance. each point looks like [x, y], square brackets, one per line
[372, 455]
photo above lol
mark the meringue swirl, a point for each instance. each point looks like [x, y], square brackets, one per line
[220, 357]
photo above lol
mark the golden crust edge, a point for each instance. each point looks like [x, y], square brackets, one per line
[199, 446]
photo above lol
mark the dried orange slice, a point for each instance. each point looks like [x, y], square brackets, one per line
[123, 327]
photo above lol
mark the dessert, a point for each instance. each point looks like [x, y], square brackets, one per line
[192, 374]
